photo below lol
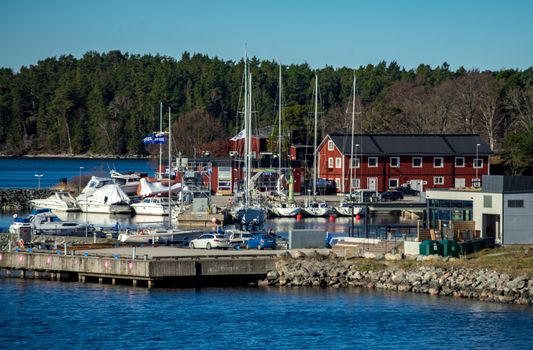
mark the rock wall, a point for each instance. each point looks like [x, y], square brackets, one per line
[17, 199]
[325, 269]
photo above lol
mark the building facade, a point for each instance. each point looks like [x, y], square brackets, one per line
[501, 210]
[383, 162]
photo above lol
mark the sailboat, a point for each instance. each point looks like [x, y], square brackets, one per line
[249, 216]
[348, 206]
[285, 207]
[314, 207]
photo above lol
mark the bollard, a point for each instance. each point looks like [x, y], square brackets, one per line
[65, 245]
[133, 253]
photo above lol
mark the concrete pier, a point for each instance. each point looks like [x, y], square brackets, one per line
[185, 267]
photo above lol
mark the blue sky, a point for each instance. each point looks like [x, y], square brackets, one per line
[471, 33]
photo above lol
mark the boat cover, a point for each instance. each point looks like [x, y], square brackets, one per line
[147, 188]
[103, 190]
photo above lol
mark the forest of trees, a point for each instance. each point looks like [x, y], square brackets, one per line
[105, 103]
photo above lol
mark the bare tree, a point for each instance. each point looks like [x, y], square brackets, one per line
[194, 129]
[520, 102]
[441, 106]
[467, 100]
[490, 116]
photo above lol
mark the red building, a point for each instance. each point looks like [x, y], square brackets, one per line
[383, 162]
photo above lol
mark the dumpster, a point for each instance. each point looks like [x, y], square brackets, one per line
[450, 248]
[478, 245]
[428, 247]
[467, 247]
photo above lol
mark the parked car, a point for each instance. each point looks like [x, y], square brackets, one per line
[261, 241]
[209, 241]
[407, 191]
[238, 238]
[391, 195]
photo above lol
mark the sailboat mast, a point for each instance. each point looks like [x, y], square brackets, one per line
[353, 127]
[169, 167]
[279, 133]
[160, 131]
[315, 138]
[246, 134]
[249, 136]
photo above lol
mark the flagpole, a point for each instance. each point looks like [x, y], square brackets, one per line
[169, 168]
[160, 131]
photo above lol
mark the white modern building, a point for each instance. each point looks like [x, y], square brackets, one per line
[502, 209]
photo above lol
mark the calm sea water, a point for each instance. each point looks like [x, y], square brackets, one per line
[19, 172]
[54, 315]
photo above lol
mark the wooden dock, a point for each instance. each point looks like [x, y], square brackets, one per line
[182, 270]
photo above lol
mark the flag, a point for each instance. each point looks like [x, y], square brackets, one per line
[155, 139]
[239, 136]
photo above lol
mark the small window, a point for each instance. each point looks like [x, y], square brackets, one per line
[330, 145]
[438, 162]
[338, 163]
[478, 163]
[515, 203]
[394, 162]
[372, 162]
[330, 163]
[355, 163]
[356, 183]
[438, 180]
[417, 162]
[487, 201]
[459, 162]
[393, 183]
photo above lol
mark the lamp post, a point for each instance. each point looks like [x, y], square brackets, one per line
[38, 180]
[79, 180]
[475, 164]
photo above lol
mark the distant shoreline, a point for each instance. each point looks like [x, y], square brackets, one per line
[78, 156]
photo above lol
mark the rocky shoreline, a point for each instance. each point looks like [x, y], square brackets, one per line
[324, 268]
[17, 199]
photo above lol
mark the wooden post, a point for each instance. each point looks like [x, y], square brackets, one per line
[100, 280]
[36, 274]
[150, 284]
[22, 273]
[135, 283]
[113, 281]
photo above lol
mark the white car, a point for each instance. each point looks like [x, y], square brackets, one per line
[210, 240]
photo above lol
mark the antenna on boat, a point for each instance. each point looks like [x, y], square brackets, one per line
[169, 168]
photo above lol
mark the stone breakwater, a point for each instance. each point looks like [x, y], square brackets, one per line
[17, 199]
[325, 269]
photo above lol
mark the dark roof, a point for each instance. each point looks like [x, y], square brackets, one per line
[424, 144]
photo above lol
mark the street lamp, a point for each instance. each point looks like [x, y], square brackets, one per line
[79, 179]
[39, 181]
[476, 164]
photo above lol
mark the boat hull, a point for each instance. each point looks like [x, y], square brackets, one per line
[106, 208]
[347, 211]
[317, 212]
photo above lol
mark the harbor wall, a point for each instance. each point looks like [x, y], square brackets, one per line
[325, 269]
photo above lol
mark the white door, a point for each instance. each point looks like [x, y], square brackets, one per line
[372, 181]
[417, 185]
[460, 183]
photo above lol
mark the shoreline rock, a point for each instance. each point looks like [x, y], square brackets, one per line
[318, 270]
[17, 199]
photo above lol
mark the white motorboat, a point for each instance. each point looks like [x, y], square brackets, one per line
[43, 221]
[103, 195]
[152, 206]
[317, 209]
[60, 200]
[285, 210]
[152, 188]
[129, 183]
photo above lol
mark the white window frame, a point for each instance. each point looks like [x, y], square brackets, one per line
[480, 160]
[330, 163]
[397, 183]
[413, 162]
[436, 180]
[356, 183]
[394, 166]
[338, 163]
[373, 158]
[331, 145]
[441, 162]
[357, 163]
[459, 166]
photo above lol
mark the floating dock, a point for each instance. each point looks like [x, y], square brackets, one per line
[149, 267]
